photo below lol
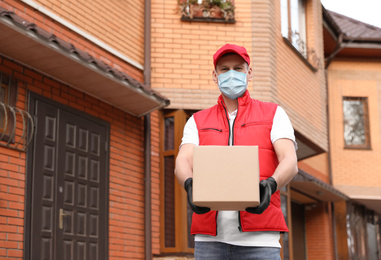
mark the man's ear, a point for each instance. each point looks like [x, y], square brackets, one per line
[215, 77]
[250, 74]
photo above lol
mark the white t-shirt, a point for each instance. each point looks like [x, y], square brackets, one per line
[227, 221]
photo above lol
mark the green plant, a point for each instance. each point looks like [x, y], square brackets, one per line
[208, 7]
[222, 4]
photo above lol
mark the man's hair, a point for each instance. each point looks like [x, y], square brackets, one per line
[233, 53]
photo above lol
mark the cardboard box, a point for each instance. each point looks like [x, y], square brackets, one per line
[226, 177]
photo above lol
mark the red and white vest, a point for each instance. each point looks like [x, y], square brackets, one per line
[252, 126]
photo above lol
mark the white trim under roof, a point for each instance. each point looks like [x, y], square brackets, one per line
[84, 34]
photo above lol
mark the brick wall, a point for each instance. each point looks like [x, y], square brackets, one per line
[12, 182]
[357, 79]
[300, 90]
[182, 61]
[182, 52]
[319, 235]
[122, 34]
[126, 191]
[155, 182]
[316, 166]
[126, 155]
[119, 24]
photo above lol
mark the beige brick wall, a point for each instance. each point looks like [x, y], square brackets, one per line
[300, 90]
[119, 24]
[358, 79]
[316, 166]
[182, 62]
[182, 52]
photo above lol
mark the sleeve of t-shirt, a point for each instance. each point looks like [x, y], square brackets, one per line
[190, 134]
[282, 127]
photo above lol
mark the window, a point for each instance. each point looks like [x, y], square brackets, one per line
[356, 122]
[8, 97]
[293, 19]
[4, 90]
[220, 11]
[176, 216]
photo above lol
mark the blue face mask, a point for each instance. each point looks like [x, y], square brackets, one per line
[232, 84]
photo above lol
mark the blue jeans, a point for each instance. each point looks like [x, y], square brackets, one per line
[222, 251]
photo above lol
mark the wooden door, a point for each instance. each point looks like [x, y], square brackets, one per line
[68, 213]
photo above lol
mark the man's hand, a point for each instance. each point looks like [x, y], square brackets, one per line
[266, 189]
[188, 186]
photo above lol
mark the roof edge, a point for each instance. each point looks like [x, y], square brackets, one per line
[330, 22]
[68, 49]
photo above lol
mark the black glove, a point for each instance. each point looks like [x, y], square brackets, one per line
[266, 189]
[188, 186]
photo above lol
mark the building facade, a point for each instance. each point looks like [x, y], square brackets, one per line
[75, 141]
[89, 138]
[353, 51]
[284, 40]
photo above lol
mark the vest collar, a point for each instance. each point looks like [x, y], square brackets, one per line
[242, 100]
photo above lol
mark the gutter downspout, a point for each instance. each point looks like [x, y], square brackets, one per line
[328, 60]
[147, 135]
[333, 220]
[147, 188]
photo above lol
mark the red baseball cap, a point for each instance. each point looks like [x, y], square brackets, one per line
[231, 48]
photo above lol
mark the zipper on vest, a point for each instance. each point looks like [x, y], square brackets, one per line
[256, 123]
[233, 128]
[216, 223]
[227, 118]
[210, 128]
[239, 222]
[232, 131]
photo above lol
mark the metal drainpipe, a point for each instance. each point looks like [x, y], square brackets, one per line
[334, 233]
[147, 188]
[147, 135]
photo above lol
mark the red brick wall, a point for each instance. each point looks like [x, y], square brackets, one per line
[126, 212]
[182, 63]
[355, 79]
[319, 232]
[119, 24]
[133, 47]
[12, 183]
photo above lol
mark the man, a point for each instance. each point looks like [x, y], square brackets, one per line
[239, 120]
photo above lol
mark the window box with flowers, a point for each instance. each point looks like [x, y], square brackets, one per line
[207, 10]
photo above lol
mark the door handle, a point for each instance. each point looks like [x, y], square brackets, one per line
[62, 214]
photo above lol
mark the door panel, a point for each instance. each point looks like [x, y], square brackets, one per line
[68, 211]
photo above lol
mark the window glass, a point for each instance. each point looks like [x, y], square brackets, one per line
[3, 93]
[294, 11]
[169, 130]
[293, 19]
[169, 202]
[3, 100]
[298, 25]
[7, 98]
[356, 129]
[284, 17]
[175, 213]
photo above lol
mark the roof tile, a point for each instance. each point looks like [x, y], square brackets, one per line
[70, 48]
[356, 30]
